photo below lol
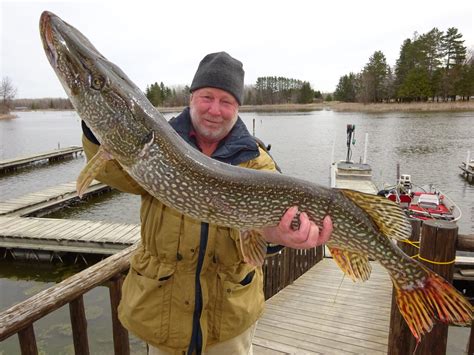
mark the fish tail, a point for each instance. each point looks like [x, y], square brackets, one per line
[436, 299]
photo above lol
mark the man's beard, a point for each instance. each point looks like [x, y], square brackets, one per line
[209, 133]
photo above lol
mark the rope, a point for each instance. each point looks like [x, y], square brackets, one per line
[434, 262]
[413, 244]
[417, 245]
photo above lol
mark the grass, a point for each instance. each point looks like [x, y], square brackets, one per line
[353, 107]
[6, 116]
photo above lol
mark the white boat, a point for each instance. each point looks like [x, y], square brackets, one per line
[425, 202]
[346, 174]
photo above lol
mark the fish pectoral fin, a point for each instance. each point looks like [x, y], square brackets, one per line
[91, 170]
[387, 215]
[354, 265]
[254, 247]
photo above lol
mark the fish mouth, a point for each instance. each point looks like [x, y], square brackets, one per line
[47, 37]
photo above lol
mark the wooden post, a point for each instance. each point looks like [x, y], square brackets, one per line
[470, 345]
[120, 334]
[79, 326]
[28, 341]
[438, 244]
[400, 339]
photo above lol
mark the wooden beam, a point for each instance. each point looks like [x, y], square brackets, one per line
[120, 334]
[79, 326]
[438, 244]
[465, 242]
[27, 340]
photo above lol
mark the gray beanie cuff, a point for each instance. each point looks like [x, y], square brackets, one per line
[221, 71]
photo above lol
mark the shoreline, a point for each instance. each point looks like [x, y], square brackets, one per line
[457, 106]
[7, 116]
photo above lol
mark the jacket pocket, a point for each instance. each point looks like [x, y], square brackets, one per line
[146, 303]
[242, 303]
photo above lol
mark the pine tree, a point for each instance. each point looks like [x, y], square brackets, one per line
[373, 78]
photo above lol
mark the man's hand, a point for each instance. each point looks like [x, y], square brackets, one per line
[307, 236]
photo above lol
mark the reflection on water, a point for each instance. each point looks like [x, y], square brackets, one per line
[116, 207]
[39, 177]
[429, 146]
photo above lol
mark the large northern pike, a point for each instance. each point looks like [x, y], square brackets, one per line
[134, 133]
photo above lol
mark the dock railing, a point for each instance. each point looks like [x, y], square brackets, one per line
[436, 243]
[280, 270]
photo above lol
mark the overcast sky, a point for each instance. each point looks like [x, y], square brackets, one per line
[154, 41]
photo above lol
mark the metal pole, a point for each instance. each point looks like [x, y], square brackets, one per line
[365, 148]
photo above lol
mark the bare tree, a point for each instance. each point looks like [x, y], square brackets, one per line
[7, 93]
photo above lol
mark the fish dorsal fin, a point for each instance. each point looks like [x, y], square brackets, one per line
[387, 215]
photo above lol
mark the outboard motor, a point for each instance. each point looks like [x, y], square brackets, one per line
[405, 183]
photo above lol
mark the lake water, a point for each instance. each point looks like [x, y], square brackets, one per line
[429, 146]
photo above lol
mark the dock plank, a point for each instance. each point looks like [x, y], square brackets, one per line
[325, 312]
[46, 198]
[56, 154]
[65, 235]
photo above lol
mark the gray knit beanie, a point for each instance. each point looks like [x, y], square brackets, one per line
[221, 71]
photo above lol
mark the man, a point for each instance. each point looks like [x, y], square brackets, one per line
[188, 290]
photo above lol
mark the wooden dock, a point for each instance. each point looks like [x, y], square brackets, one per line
[468, 171]
[60, 235]
[53, 155]
[48, 199]
[324, 312]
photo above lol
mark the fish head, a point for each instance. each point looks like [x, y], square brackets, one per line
[112, 106]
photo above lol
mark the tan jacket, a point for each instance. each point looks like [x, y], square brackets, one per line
[158, 294]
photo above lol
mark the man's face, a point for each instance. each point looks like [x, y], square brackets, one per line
[213, 113]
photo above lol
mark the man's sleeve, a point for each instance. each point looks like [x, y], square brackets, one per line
[113, 174]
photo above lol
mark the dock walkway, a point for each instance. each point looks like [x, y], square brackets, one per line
[53, 155]
[468, 171]
[60, 235]
[46, 199]
[326, 313]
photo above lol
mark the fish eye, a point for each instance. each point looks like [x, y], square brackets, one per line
[97, 82]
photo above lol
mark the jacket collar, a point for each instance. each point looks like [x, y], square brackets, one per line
[238, 147]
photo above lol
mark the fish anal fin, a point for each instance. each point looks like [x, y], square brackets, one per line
[93, 167]
[386, 215]
[354, 265]
[435, 299]
[254, 247]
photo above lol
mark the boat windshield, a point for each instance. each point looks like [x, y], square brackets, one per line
[428, 201]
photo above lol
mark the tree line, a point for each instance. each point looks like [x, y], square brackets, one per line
[280, 90]
[432, 66]
[267, 90]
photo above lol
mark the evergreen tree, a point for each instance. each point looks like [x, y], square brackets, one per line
[373, 78]
[453, 48]
[405, 63]
[306, 94]
[346, 89]
[455, 54]
[416, 85]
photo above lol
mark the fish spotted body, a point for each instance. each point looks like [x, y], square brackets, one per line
[135, 134]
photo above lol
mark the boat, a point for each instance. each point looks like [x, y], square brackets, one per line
[346, 174]
[423, 202]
